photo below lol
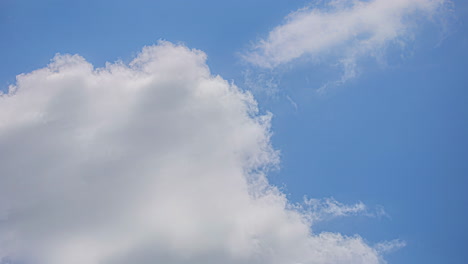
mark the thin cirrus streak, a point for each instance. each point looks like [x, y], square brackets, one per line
[344, 29]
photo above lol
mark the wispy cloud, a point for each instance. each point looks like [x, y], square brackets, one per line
[389, 246]
[343, 31]
[327, 208]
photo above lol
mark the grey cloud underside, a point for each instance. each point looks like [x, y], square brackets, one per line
[153, 162]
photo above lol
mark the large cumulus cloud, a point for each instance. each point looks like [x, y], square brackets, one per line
[157, 161]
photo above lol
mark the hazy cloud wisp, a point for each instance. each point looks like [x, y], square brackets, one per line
[344, 29]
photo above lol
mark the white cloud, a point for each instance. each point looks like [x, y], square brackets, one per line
[344, 29]
[389, 246]
[155, 162]
[318, 210]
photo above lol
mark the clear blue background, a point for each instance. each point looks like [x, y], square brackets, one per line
[396, 136]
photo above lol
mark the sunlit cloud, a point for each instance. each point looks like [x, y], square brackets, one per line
[158, 161]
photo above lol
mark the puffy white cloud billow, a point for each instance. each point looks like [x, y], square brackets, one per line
[157, 161]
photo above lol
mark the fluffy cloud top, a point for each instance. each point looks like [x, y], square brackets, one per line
[157, 161]
[348, 29]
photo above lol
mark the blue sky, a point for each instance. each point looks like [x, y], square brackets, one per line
[395, 135]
